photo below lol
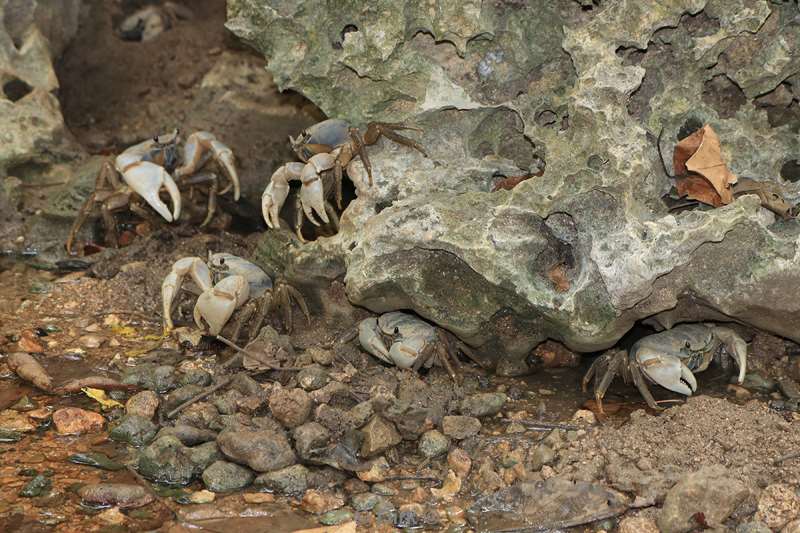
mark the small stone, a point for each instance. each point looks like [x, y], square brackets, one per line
[584, 416]
[355, 486]
[381, 489]
[309, 437]
[756, 382]
[143, 404]
[112, 516]
[378, 471]
[223, 476]
[91, 341]
[789, 388]
[24, 404]
[168, 461]
[450, 487]
[542, 455]
[246, 385]
[134, 430]
[258, 497]
[333, 518]
[385, 511]
[409, 515]
[37, 486]
[484, 404]
[778, 505]
[759, 527]
[291, 407]
[188, 435]
[202, 496]
[312, 378]
[318, 502]
[123, 495]
[379, 436]
[739, 392]
[74, 421]
[290, 481]
[180, 395]
[195, 377]
[638, 524]
[13, 421]
[460, 427]
[190, 337]
[320, 356]
[433, 444]
[459, 461]
[364, 502]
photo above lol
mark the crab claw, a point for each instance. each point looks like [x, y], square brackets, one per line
[666, 370]
[369, 336]
[199, 147]
[146, 179]
[405, 353]
[312, 194]
[277, 191]
[193, 266]
[216, 305]
[736, 348]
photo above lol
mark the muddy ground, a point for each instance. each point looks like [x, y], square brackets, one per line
[630, 469]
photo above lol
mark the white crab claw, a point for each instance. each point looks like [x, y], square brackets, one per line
[736, 348]
[277, 191]
[224, 156]
[216, 305]
[406, 351]
[193, 266]
[312, 194]
[146, 179]
[666, 370]
[370, 339]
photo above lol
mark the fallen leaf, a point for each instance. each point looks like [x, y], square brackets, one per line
[100, 397]
[29, 369]
[701, 170]
[125, 331]
[558, 275]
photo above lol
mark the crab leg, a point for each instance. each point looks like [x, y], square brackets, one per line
[146, 179]
[312, 194]
[193, 266]
[736, 348]
[202, 145]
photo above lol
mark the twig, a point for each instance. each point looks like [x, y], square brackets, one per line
[142, 481]
[790, 455]
[414, 478]
[200, 396]
[242, 352]
[541, 426]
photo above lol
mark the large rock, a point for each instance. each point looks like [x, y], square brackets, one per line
[584, 251]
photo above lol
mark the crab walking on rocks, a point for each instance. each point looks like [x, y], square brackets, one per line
[408, 342]
[145, 169]
[670, 359]
[329, 146]
[226, 283]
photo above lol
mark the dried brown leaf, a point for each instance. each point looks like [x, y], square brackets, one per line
[558, 275]
[698, 188]
[698, 158]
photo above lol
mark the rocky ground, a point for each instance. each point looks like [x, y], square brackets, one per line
[196, 438]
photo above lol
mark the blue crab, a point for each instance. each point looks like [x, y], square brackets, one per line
[668, 358]
[329, 146]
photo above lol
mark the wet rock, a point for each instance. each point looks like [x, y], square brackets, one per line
[377, 472]
[258, 497]
[223, 476]
[290, 481]
[202, 496]
[364, 501]
[709, 491]
[638, 524]
[167, 461]
[122, 495]
[15, 422]
[319, 502]
[263, 450]
[379, 436]
[333, 518]
[201, 415]
[789, 388]
[134, 430]
[203, 455]
[460, 427]
[95, 459]
[160, 379]
[778, 505]
[484, 404]
[309, 437]
[312, 378]
[291, 407]
[433, 444]
[180, 395]
[38, 486]
[188, 435]
[112, 516]
[74, 421]
[246, 385]
[143, 404]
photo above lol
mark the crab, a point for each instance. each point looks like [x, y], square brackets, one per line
[145, 168]
[412, 342]
[150, 21]
[668, 358]
[326, 150]
[226, 283]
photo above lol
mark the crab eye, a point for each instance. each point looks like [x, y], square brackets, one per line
[221, 260]
[688, 344]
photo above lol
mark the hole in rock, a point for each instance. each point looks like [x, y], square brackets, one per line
[790, 170]
[16, 89]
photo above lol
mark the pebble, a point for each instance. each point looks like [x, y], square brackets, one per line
[112, 516]
[13, 421]
[258, 497]
[135, 430]
[333, 518]
[202, 496]
[168, 461]
[710, 490]
[778, 505]
[584, 416]
[39, 485]
[312, 378]
[789, 388]
[381, 489]
[75, 421]
[385, 510]
[143, 404]
[364, 502]
[379, 436]
[484, 404]
[433, 444]
[739, 392]
[318, 502]
[460, 427]
[263, 450]
[459, 461]
[309, 437]
[291, 481]
[123, 495]
[379, 471]
[320, 356]
[91, 341]
[290, 407]
[638, 524]
[223, 476]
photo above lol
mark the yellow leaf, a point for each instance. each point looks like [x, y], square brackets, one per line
[125, 331]
[100, 397]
